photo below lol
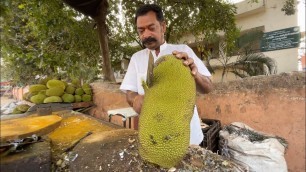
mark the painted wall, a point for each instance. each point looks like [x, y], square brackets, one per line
[272, 18]
[270, 104]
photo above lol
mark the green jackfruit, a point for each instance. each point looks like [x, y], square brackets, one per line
[42, 92]
[53, 99]
[27, 96]
[76, 82]
[56, 83]
[38, 99]
[55, 91]
[70, 89]
[164, 123]
[79, 91]
[37, 88]
[77, 98]
[16, 111]
[86, 85]
[86, 98]
[68, 98]
[23, 107]
[87, 91]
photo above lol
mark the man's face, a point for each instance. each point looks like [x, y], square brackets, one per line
[150, 30]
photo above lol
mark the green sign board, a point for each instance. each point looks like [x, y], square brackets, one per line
[280, 39]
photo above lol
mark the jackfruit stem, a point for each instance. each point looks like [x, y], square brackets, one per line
[144, 85]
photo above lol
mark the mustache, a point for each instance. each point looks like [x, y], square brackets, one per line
[148, 40]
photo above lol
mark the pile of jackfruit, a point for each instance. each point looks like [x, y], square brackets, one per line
[54, 90]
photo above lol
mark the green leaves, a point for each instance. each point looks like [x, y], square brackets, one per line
[45, 37]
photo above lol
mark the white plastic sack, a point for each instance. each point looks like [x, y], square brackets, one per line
[259, 156]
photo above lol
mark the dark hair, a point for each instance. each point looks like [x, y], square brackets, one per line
[144, 9]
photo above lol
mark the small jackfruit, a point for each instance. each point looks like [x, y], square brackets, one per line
[68, 98]
[77, 98]
[79, 91]
[56, 83]
[76, 82]
[87, 91]
[55, 91]
[70, 89]
[86, 85]
[38, 99]
[16, 111]
[86, 98]
[37, 88]
[53, 99]
[23, 107]
[164, 122]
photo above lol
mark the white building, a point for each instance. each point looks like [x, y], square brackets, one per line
[278, 28]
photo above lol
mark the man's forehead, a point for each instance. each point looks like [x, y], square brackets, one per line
[149, 17]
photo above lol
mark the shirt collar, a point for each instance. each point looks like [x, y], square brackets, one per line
[161, 48]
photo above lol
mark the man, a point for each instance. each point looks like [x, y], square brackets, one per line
[151, 28]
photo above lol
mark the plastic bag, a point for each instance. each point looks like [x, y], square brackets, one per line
[257, 151]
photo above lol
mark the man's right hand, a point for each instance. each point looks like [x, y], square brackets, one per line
[135, 100]
[137, 103]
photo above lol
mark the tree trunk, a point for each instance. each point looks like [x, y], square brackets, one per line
[103, 40]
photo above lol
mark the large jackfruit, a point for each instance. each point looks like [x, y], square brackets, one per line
[55, 91]
[38, 99]
[53, 99]
[164, 124]
[56, 83]
[37, 88]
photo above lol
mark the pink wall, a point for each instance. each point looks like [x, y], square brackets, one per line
[270, 104]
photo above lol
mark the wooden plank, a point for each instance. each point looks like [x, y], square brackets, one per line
[26, 127]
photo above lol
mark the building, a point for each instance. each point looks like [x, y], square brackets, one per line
[283, 36]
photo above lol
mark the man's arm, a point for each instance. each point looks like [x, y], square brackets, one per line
[204, 84]
[134, 100]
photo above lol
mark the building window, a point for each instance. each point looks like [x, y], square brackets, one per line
[249, 40]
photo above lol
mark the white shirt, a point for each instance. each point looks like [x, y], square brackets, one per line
[137, 72]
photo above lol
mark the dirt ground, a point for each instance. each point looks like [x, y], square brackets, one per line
[117, 151]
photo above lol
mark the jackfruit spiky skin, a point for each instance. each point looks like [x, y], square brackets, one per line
[68, 98]
[53, 99]
[38, 99]
[70, 89]
[76, 82]
[79, 91]
[77, 98]
[55, 91]
[37, 88]
[164, 123]
[87, 91]
[16, 111]
[86, 98]
[55, 83]
[86, 85]
[23, 107]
